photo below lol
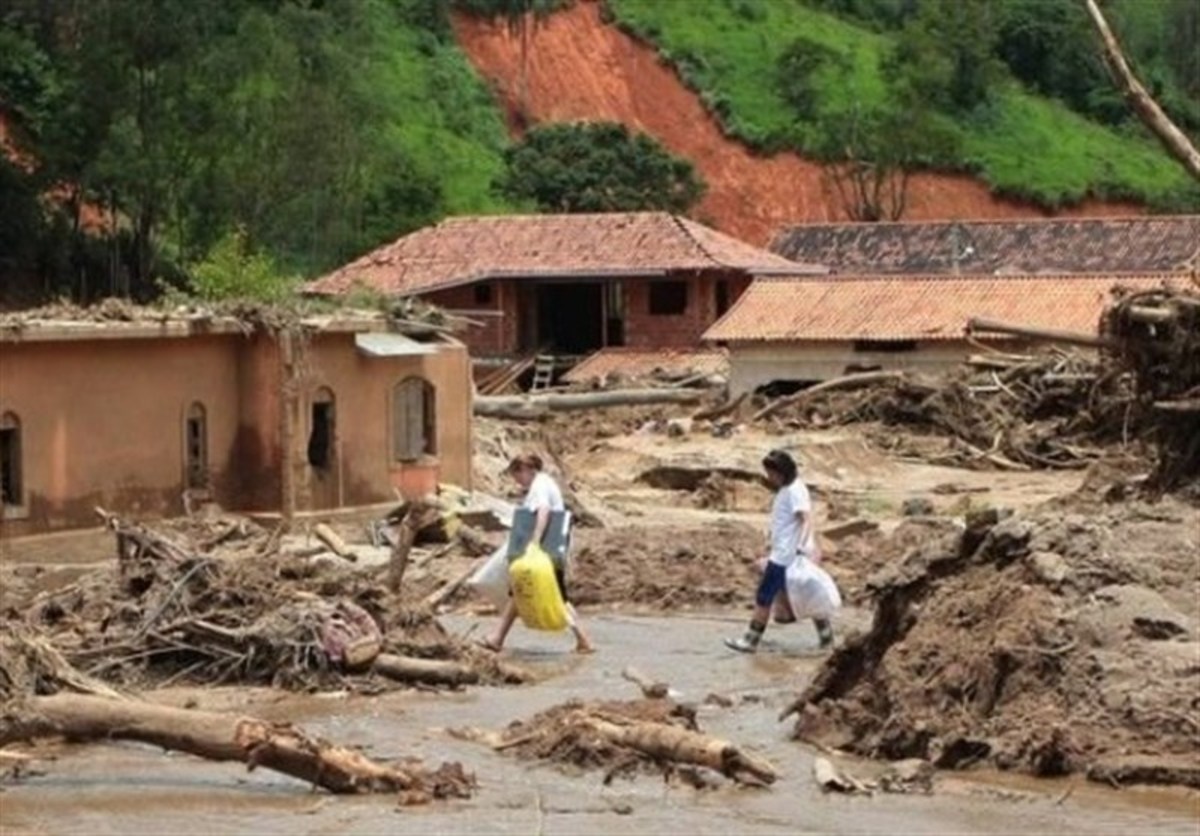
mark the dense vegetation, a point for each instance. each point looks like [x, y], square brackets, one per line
[597, 167]
[1012, 89]
[220, 146]
[316, 130]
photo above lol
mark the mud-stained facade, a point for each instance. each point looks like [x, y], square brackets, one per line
[132, 417]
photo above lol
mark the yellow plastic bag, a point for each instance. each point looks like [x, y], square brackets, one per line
[535, 591]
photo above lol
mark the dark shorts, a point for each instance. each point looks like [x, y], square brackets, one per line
[561, 577]
[773, 581]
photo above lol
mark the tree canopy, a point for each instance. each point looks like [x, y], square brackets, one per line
[597, 167]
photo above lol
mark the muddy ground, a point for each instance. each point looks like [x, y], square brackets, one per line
[664, 570]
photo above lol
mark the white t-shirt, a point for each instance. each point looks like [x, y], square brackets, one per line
[544, 493]
[787, 537]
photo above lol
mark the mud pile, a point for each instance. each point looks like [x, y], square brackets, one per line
[666, 567]
[218, 602]
[1053, 642]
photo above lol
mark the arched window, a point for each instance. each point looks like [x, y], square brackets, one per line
[195, 447]
[11, 490]
[322, 429]
[414, 420]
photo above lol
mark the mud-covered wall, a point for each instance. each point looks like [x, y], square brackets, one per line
[102, 424]
[363, 470]
[755, 365]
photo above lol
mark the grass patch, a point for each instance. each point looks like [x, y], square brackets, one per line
[1022, 145]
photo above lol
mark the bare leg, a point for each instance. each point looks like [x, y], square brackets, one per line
[507, 618]
[582, 643]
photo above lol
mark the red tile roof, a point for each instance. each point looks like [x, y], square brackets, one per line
[641, 362]
[915, 308]
[464, 250]
[1050, 245]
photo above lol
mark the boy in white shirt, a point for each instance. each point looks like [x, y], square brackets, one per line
[792, 535]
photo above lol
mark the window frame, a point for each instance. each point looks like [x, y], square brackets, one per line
[658, 306]
[196, 412]
[411, 395]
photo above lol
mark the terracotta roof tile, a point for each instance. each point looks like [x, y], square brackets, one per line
[637, 362]
[915, 308]
[462, 250]
[1081, 245]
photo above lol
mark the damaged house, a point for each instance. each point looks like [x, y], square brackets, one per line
[898, 296]
[637, 288]
[139, 414]
[792, 332]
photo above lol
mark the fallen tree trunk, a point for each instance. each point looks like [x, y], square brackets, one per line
[221, 737]
[976, 324]
[850, 381]
[672, 743]
[429, 671]
[502, 406]
[727, 408]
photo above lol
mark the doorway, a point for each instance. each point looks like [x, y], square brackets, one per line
[570, 317]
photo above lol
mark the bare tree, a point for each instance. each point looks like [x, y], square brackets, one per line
[1148, 110]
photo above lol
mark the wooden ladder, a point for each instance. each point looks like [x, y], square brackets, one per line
[543, 373]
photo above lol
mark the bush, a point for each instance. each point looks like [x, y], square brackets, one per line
[232, 270]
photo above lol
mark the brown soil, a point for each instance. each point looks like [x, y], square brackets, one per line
[1061, 640]
[666, 567]
[580, 68]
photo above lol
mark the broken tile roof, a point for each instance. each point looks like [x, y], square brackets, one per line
[643, 362]
[1068, 245]
[468, 249]
[916, 308]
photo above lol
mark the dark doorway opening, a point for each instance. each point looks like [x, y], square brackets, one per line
[321, 435]
[570, 318]
[11, 490]
[722, 296]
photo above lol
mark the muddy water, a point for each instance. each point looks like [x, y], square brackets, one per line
[136, 789]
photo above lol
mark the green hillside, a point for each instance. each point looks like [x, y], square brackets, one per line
[1021, 143]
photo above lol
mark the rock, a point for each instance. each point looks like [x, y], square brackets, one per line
[679, 427]
[1048, 567]
[917, 506]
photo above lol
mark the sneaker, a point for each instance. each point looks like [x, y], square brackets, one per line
[741, 645]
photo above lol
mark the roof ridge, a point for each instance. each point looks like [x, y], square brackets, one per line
[1115, 275]
[679, 222]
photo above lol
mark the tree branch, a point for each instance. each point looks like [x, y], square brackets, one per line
[1175, 141]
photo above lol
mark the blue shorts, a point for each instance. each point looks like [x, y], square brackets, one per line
[774, 581]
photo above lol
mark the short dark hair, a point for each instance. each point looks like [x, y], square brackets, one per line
[526, 460]
[782, 463]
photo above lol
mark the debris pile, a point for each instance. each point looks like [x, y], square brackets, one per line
[217, 601]
[1047, 643]
[650, 735]
[1156, 335]
[1058, 409]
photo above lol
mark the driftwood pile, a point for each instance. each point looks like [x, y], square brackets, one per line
[217, 602]
[1008, 411]
[1156, 336]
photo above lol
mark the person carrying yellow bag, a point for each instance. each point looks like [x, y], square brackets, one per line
[544, 606]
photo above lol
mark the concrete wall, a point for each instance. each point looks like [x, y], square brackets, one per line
[755, 364]
[102, 423]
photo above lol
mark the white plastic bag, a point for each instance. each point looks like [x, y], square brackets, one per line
[811, 591]
[491, 579]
